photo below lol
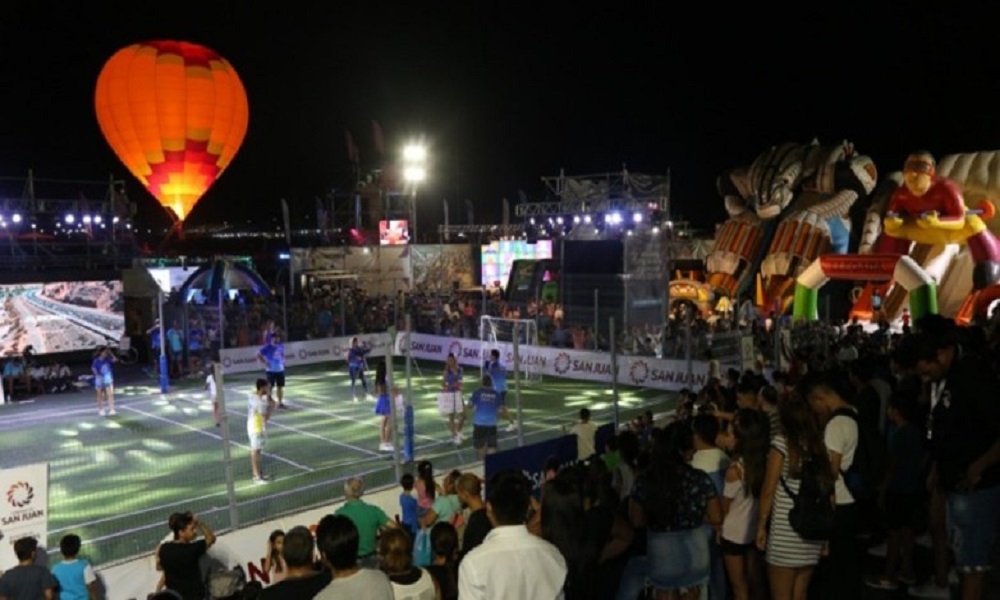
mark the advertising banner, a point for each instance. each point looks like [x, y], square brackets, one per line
[309, 352]
[531, 459]
[24, 509]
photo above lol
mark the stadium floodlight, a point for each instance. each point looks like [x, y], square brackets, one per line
[16, 218]
[97, 218]
[414, 153]
[637, 217]
[69, 218]
[86, 219]
[586, 218]
[559, 220]
[576, 220]
[656, 230]
[414, 174]
[115, 220]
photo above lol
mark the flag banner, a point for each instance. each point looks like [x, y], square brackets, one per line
[24, 509]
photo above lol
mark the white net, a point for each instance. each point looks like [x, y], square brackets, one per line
[497, 333]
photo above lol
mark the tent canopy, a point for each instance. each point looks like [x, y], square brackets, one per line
[224, 275]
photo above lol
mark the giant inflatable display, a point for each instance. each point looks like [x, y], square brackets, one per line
[790, 206]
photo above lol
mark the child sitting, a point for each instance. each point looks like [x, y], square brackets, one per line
[408, 505]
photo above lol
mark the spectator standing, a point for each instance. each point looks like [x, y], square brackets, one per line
[790, 559]
[964, 443]
[272, 356]
[712, 461]
[396, 561]
[382, 407]
[175, 346]
[562, 520]
[302, 579]
[839, 573]
[339, 545]
[27, 579]
[585, 432]
[740, 504]
[444, 566]
[478, 525]
[408, 505]
[426, 488]
[77, 580]
[274, 561]
[368, 519]
[511, 563]
[180, 557]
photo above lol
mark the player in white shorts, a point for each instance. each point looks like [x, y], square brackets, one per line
[260, 407]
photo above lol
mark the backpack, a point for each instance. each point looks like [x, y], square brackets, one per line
[865, 473]
[812, 510]
[226, 583]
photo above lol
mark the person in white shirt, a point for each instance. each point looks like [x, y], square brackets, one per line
[839, 574]
[711, 460]
[259, 410]
[212, 391]
[585, 432]
[511, 562]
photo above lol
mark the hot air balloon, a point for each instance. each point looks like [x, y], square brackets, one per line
[175, 113]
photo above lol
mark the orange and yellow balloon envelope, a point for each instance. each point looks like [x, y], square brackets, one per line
[175, 113]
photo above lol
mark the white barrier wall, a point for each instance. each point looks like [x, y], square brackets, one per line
[656, 373]
[136, 579]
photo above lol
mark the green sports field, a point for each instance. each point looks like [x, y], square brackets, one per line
[115, 480]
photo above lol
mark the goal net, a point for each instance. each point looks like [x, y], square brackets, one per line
[497, 333]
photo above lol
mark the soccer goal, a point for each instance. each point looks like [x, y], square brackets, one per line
[498, 333]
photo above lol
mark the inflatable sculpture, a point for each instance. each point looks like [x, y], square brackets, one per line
[941, 215]
[788, 207]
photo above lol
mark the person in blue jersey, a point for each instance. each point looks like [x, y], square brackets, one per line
[356, 366]
[382, 407]
[272, 356]
[104, 380]
[450, 399]
[498, 373]
[485, 402]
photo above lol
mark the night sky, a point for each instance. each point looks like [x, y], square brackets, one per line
[507, 95]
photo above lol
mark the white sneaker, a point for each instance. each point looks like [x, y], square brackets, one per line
[461, 437]
[930, 590]
[386, 447]
[112, 412]
[101, 412]
[260, 480]
[456, 439]
[511, 428]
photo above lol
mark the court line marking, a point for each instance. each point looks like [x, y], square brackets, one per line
[272, 423]
[217, 437]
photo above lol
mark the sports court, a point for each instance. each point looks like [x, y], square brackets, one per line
[114, 480]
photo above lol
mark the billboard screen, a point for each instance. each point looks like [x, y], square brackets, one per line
[170, 278]
[64, 316]
[393, 233]
[497, 258]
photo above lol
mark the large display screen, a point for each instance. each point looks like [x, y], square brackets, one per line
[393, 233]
[170, 278]
[497, 258]
[63, 316]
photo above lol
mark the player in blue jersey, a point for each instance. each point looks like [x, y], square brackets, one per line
[356, 365]
[485, 402]
[104, 380]
[498, 374]
[272, 356]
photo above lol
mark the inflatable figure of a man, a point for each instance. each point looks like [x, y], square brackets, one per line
[931, 210]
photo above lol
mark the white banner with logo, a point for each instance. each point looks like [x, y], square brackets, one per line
[560, 362]
[24, 509]
[244, 360]
[554, 362]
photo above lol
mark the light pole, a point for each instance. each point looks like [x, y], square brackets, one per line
[414, 171]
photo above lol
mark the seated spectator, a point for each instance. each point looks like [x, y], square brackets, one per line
[77, 580]
[27, 579]
[396, 561]
[338, 544]
[302, 579]
[446, 505]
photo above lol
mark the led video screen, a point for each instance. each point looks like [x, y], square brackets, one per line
[393, 233]
[497, 258]
[64, 316]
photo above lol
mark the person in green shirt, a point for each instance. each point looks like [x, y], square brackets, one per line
[368, 518]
